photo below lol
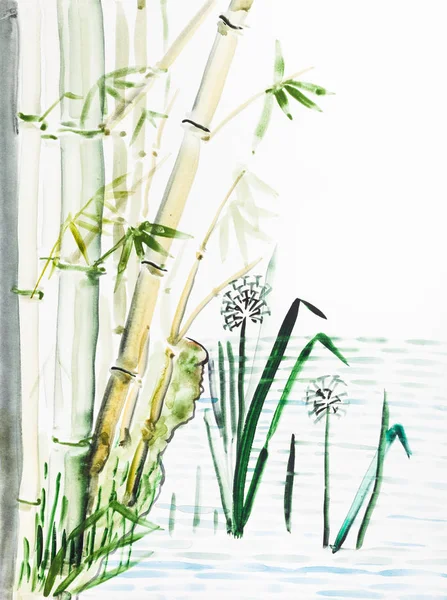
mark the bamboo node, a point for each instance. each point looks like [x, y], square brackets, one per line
[125, 371]
[147, 431]
[197, 126]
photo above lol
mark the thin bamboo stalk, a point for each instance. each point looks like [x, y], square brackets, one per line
[147, 288]
[10, 402]
[82, 166]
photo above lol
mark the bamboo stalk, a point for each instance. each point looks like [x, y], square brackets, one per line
[10, 400]
[82, 167]
[139, 320]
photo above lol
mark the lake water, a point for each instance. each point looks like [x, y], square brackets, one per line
[405, 548]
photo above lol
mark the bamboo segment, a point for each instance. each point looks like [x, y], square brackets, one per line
[10, 400]
[145, 296]
[82, 166]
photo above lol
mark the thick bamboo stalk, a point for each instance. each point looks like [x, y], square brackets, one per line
[10, 402]
[139, 320]
[82, 166]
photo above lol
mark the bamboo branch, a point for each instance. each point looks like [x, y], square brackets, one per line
[184, 298]
[237, 111]
[215, 292]
[163, 65]
[136, 332]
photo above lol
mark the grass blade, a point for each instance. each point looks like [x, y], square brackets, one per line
[396, 431]
[110, 574]
[232, 392]
[254, 412]
[288, 488]
[223, 396]
[381, 450]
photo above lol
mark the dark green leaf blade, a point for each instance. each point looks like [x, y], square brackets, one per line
[304, 100]
[288, 487]
[281, 99]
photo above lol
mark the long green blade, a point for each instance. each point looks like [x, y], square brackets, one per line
[288, 487]
[254, 412]
[367, 481]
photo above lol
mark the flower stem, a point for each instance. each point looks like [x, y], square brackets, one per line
[326, 527]
[240, 383]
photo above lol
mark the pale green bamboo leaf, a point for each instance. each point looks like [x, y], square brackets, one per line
[309, 87]
[138, 126]
[264, 121]
[88, 226]
[163, 231]
[118, 83]
[283, 103]
[72, 96]
[79, 241]
[279, 63]
[124, 259]
[112, 92]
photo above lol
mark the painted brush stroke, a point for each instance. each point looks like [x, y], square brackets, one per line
[10, 394]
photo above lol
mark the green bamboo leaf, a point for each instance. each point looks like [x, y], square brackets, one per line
[281, 99]
[304, 100]
[314, 309]
[87, 133]
[28, 118]
[264, 121]
[72, 96]
[49, 136]
[163, 231]
[288, 487]
[79, 241]
[138, 247]
[87, 105]
[138, 126]
[124, 71]
[124, 258]
[88, 226]
[128, 84]
[279, 63]
[112, 92]
[309, 87]
[153, 244]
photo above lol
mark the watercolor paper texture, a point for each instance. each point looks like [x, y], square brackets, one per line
[223, 330]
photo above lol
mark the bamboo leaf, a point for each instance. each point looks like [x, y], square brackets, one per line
[138, 126]
[112, 92]
[264, 121]
[279, 63]
[124, 258]
[28, 118]
[72, 96]
[87, 105]
[88, 226]
[281, 99]
[163, 231]
[79, 241]
[138, 247]
[128, 84]
[304, 100]
[124, 71]
[49, 136]
[309, 87]
[153, 244]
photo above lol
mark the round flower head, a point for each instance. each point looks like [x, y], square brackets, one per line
[245, 300]
[325, 394]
